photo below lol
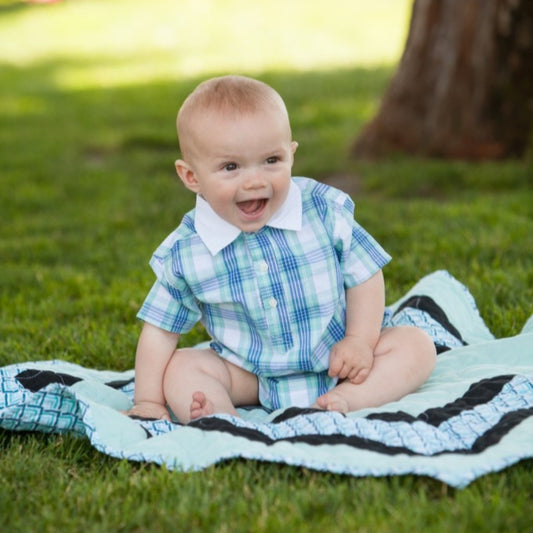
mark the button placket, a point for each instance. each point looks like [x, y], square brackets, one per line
[268, 282]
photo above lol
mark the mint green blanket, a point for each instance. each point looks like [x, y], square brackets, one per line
[473, 416]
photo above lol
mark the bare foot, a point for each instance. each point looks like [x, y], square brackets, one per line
[333, 401]
[200, 406]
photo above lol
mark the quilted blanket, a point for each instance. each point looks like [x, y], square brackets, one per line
[473, 416]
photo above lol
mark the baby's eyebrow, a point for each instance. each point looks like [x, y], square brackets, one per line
[275, 151]
[226, 157]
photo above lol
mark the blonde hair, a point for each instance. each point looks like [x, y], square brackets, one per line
[228, 94]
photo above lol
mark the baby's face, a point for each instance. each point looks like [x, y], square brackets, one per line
[241, 165]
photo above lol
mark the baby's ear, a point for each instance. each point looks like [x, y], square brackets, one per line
[294, 146]
[187, 175]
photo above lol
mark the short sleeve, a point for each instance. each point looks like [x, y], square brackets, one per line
[360, 255]
[170, 304]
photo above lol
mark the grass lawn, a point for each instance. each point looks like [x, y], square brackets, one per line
[88, 95]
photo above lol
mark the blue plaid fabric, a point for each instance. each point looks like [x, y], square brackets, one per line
[273, 301]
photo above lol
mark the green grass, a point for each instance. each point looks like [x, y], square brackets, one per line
[88, 94]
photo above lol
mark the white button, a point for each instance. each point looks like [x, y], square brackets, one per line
[263, 266]
[272, 302]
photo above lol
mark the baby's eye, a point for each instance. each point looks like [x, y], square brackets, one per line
[272, 160]
[230, 167]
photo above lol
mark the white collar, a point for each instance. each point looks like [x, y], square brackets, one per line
[216, 233]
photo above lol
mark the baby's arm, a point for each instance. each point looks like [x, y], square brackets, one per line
[154, 350]
[352, 357]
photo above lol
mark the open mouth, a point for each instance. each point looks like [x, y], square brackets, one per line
[252, 207]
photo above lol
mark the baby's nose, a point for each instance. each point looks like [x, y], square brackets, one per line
[254, 179]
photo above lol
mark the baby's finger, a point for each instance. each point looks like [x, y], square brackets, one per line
[344, 372]
[353, 374]
[335, 365]
[360, 376]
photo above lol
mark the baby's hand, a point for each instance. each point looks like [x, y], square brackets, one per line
[149, 410]
[351, 358]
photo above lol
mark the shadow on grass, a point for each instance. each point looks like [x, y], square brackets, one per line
[50, 130]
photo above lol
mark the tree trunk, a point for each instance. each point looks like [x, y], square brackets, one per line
[464, 86]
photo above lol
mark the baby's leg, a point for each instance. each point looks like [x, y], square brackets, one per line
[200, 382]
[403, 360]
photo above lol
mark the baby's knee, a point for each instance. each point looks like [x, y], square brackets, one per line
[422, 344]
[418, 343]
[180, 357]
[194, 361]
[181, 362]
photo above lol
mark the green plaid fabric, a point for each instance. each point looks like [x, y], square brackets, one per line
[273, 301]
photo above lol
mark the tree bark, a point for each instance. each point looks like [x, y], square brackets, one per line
[464, 86]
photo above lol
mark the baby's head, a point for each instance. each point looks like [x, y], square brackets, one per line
[237, 150]
[229, 96]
